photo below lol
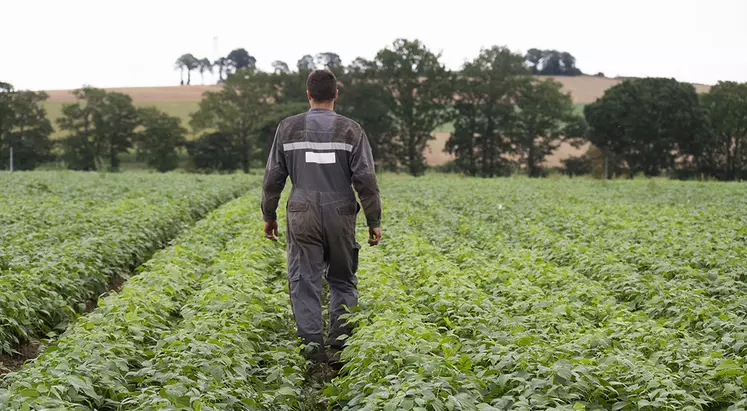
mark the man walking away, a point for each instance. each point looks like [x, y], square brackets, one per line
[324, 153]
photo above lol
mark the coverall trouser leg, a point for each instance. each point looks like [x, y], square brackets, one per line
[321, 240]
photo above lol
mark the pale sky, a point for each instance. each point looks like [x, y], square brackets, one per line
[54, 44]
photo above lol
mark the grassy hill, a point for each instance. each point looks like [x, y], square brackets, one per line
[181, 101]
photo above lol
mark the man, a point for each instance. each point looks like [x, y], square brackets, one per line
[324, 153]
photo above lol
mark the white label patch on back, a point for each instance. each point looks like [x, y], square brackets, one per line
[320, 158]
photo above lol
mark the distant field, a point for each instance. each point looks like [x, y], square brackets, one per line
[181, 101]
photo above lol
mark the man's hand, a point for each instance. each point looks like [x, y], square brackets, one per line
[271, 230]
[374, 236]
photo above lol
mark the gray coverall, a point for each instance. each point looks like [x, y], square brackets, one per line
[324, 153]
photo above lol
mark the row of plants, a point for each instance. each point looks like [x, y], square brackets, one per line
[88, 365]
[47, 283]
[206, 325]
[461, 311]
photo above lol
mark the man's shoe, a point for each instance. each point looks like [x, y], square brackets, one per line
[334, 359]
[315, 352]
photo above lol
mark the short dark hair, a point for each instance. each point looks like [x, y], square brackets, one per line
[322, 85]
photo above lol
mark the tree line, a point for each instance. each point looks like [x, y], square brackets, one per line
[504, 117]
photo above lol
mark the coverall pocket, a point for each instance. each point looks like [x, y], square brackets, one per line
[297, 217]
[348, 215]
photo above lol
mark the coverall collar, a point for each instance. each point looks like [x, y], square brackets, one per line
[319, 110]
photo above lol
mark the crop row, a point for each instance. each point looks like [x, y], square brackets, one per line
[205, 325]
[45, 285]
[460, 313]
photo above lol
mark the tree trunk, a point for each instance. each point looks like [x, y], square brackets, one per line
[113, 159]
[189, 77]
[182, 76]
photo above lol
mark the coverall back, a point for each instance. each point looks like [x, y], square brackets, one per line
[325, 154]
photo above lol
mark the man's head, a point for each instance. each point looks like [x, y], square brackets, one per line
[321, 87]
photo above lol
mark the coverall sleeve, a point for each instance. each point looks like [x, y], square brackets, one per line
[276, 174]
[364, 180]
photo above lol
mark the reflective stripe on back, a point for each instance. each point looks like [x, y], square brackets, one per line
[308, 145]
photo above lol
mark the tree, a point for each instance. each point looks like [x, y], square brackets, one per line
[159, 138]
[486, 90]
[306, 64]
[280, 67]
[205, 65]
[222, 64]
[534, 58]
[646, 122]
[116, 124]
[179, 65]
[264, 130]
[240, 59]
[24, 128]
[81, 150]
[236, 110]
[577, 166]
[551, 63]
[188, 62]
[723, 152]
[102, 126]
[214, 152]
[545, 117]
[330, 61]
[422, 91]
[365, 100]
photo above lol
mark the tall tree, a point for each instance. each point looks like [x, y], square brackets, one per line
[82, 150]
[116, 124]
[222, 64]
[187, 62]
[534, 58]
[159, 138]
[367, 101]
[205, 65]
[306, 64]
[179, 65]
[240, 59]
[486, 90]
[101, 125]
[330, 61]
[545, 117]
[422, 91]
[280, 67]
[236, 110]
[24, 128]
[723, 152]
[646, 122]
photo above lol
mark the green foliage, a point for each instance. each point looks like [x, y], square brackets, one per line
[158, 140]
[99, 127]
[551, 63]
[723, 151]
[647, 122]
[25, 128]
[363, 98]
[239, 59]
[421, 87]
[237, 110]
[68, 234]
[214, 152]
[563, 295]
[188, 62]
[544, 117]
[485, 93]
[578, 165]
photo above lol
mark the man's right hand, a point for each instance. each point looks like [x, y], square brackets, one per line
[374, 236]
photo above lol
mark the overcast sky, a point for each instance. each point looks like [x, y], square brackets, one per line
[55, 44]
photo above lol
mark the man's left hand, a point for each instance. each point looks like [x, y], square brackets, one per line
[271, 230]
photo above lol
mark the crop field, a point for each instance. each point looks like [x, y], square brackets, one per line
[485, 295]
[64, 237]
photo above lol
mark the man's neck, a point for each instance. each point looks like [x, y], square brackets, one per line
[324, 106]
